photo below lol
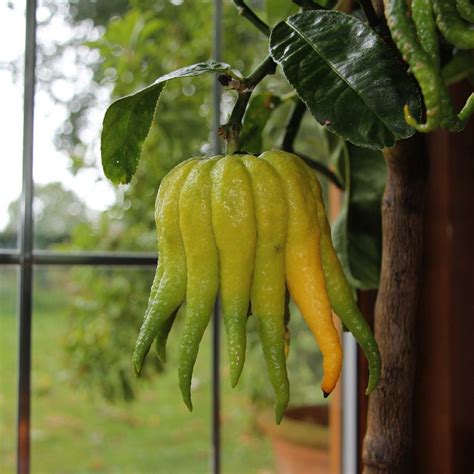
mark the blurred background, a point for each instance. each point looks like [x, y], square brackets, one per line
[89, 412]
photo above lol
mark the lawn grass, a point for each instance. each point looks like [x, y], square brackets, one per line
[74, 431]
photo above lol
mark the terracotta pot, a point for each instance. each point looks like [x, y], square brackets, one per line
[301, 442]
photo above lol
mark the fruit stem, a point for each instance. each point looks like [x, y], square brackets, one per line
[231, 130]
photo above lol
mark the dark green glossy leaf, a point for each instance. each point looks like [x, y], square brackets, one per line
[258, 112]
[128, 121]
[357, 233]
[278, 10]
[350, 80]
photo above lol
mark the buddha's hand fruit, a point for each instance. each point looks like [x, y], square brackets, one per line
[414, 29]
[247, 229]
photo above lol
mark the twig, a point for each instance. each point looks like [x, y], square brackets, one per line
[268, 66]
[308, 5]
[246, 12]
[293, 125]
[321, 168]
[231, 130]
[370, 14]
[292, 128]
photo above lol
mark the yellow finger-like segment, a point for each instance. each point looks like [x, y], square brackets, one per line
[304, 273]
[268, 287]
[340, 292]
[202, 267]
[233, 220]
[169, 285]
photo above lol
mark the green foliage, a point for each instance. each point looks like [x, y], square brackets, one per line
[57, 213]
[356, 88]
[100, 11]
[357, 233]
[98, 340]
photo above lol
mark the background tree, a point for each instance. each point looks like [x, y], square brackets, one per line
[57, 212]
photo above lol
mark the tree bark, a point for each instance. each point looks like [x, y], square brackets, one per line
[388, 442]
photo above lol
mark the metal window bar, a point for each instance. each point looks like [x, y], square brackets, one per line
[217, 149]
[26, 246]
[26, 257]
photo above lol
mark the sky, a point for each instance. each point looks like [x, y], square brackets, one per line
[49, 163]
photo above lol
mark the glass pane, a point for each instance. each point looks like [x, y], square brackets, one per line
[8, 367]
[90, 413]
[253, 441]
[89, 54]
[12, 33]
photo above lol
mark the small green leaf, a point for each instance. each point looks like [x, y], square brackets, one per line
[278, 10]
[350, 80]
[258, 112]
[128, 120]
[357, 232]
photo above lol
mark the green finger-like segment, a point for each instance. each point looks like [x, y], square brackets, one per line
[467, 110]
[466, 10]
[402, 29]
[150, 313]
[268, 287]
[163, 332]
[423, 16]
[452, 26]
[202, 267]
[439, 109]
[169, 285]
[233, 220]
[341, 294]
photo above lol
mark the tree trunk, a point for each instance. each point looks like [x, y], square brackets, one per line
[388, 442]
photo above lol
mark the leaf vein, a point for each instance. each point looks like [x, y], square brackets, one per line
[320, 54]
